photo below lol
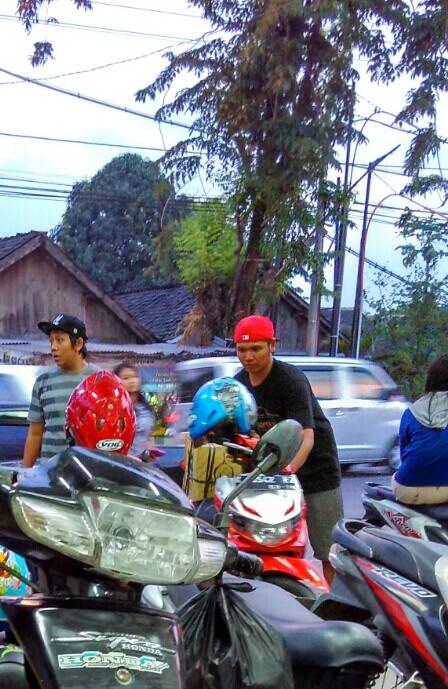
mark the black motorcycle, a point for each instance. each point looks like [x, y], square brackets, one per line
[398, 586]
[96, 528]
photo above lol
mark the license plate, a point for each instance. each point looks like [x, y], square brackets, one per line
[277, 482]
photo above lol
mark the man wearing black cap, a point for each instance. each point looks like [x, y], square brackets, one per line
[46, 434]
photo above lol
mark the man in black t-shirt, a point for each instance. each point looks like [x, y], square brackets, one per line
[282, 391]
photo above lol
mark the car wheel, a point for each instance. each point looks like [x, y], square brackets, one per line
[393, 457]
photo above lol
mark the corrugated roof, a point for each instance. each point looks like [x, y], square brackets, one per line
[40, 346]
[160, 310]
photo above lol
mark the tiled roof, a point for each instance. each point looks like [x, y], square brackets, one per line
[9, 244]
[160, 310]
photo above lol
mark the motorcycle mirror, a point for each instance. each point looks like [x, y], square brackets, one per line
[278, 447]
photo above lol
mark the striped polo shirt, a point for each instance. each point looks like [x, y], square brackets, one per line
[51, 393]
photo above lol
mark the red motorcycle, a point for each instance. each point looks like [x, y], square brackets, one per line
[269, 520]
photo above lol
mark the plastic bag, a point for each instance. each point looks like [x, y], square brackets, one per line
[229, 646]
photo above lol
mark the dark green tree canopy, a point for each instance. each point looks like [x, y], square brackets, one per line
[111, 221]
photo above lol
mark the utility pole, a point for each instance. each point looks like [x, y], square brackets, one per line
[312, 331]
[357, 312]
[339, 258]
[339, 263]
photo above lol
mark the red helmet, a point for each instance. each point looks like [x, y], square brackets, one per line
[100, 414]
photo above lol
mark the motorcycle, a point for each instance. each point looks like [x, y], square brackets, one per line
[428, 522]
[269, 520]
[96, 528]
[397, 586]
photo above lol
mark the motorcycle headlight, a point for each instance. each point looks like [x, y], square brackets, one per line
[122, 538]
[267, 534]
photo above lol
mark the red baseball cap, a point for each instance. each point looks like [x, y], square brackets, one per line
[254, 329]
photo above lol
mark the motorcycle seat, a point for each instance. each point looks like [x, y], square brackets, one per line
[411, 557]
[310, 641]
[437, 512]
[376, 491]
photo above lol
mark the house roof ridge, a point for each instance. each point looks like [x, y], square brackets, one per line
[150, 288]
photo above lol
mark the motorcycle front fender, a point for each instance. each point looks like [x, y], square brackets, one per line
[294, 567]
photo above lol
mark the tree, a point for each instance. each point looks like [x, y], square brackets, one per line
[273, 97]
[205, 254]
[111, 221]
[410, 324]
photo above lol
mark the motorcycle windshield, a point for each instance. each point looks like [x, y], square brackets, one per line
[79, 469]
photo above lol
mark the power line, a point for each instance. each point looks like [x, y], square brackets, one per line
[51, 139]
[90, 99]
[105, 66]
[147, 9]
[102, 29]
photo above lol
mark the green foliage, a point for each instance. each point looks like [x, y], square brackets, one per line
[110, 221]
[410, 324]
[205, 255]
[205, 248]
[273, 99]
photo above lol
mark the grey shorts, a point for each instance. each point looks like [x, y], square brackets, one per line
[324, 510]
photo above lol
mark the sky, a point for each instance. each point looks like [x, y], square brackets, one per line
[108, 54]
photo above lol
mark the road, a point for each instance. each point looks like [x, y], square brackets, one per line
[353, 482]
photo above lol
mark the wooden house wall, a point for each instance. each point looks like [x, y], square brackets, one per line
[37, 288]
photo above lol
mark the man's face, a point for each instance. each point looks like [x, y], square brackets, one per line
[255, 357]
[64, 353]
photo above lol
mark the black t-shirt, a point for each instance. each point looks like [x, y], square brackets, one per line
[286, 394]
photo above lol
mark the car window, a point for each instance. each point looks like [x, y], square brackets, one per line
[323, 381]
[364, 385]
[190, 380]
[13, 391]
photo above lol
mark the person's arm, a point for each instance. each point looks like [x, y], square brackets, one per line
[299, 406]
[404, 432]
[305, 449]
[33, 443]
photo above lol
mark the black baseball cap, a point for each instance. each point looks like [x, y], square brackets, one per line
[68, 324]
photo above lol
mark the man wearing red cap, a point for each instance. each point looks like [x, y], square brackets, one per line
[282, 391]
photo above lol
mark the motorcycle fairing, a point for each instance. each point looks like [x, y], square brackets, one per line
[412, 611]
[91, 643]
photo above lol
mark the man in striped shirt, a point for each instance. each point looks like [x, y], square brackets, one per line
[52, 389]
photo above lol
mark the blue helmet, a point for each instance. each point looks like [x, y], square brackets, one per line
[222, 400]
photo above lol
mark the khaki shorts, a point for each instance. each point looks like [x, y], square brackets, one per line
[420, 495]
[324, 510]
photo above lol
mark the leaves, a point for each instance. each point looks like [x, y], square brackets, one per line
[410, 324]
[28, 12]
[110, 221]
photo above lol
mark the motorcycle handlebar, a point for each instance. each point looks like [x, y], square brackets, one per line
[244, 563]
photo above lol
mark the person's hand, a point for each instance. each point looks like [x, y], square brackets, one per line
[151, 454]
[287, 471]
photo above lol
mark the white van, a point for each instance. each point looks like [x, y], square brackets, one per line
[361, 401]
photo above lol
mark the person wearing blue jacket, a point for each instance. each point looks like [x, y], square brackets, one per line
[422, 477]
